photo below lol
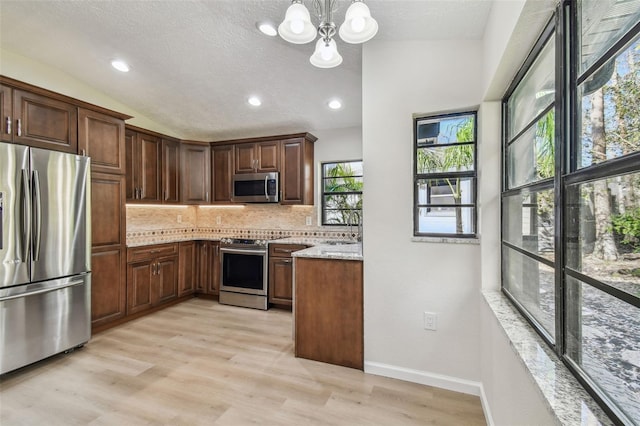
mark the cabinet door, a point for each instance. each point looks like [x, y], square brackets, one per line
[296, 177]
[202, 283]
[222, 161]
[268, 156]
[170, 171]
[187, 272]
[280, 280]
[101, 137]
[166, 270]
[44, 122]
[108, 285]
[245, 156]
[150, 158]
[140, 287]
[6, 105]
[107, 210]
[214, 267]
[132, 164]
[195, 173]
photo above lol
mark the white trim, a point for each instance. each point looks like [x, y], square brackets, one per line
[485, 407]
[424, 378]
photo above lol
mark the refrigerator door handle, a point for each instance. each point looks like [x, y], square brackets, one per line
[43, 290]
[37, 216]
[25, 217]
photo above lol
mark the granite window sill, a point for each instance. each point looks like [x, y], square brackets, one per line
[566, 399]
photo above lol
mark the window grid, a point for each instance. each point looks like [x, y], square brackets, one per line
[342, 170]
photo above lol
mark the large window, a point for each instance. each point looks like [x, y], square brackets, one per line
[445, 175]
[341, 192]
[571, 196]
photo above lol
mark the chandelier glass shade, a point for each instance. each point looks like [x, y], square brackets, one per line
[297, 28]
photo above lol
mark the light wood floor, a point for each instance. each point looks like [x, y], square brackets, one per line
[204, 363]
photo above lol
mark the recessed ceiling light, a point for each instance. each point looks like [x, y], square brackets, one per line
[254, 101]
[335, 104]
[267, 28]
[120, 65]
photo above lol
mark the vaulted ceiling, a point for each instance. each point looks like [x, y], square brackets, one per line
[194, 63]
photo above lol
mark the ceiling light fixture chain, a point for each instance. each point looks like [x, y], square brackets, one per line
[297, 28]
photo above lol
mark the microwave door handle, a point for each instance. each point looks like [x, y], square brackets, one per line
[266, 187]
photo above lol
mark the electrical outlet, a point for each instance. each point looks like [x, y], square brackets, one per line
[179, 218]
[218, 220]
[430, 321]
[308, 220]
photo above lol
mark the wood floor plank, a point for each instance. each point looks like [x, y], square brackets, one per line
[202, 363]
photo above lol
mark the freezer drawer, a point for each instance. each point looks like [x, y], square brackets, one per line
[42, 319]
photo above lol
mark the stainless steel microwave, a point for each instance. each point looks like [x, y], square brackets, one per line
[255, 188]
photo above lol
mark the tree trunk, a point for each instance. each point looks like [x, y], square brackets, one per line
[457, 196]
[605, 247]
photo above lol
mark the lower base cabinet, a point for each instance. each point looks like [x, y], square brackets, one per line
[187, 272]
[281, 273]
[108, 285]
[208, 267]
[152, 276]
[329, 311]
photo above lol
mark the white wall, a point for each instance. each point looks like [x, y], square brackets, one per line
[404, 278]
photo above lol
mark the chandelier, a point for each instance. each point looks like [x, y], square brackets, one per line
[297, 28]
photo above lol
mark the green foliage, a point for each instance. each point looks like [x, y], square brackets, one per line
[628, 226]
[340, 183]
[545, 145]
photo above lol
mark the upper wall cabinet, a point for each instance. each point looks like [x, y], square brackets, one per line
[101, 137]
[143, 156]
[170, 170]
[222, 163]
[195, 173]
[296, 172]
[37, 120]
[257, 157]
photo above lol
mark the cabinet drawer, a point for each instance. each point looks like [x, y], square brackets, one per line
[284, 250]
[136, 254]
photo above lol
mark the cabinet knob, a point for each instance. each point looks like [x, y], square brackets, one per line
[8, 121]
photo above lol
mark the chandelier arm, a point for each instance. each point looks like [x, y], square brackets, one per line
[317, 7]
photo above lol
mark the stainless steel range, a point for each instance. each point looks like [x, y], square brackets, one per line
[243, 272]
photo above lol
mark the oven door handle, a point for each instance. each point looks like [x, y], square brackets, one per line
[242, 251]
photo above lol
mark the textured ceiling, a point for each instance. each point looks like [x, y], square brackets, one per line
[194, 63]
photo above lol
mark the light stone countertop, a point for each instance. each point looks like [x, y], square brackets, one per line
[320, 249]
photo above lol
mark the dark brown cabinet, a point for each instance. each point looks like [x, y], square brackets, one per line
[195, 173]
[152, 276]
[143, 160]
[222, 162]
[296, 171]
[108, 285]
[281, 273]
[187, 272]
[208, 267]
[101, 137]
[329, 311]
[257, 157]
[37, 120]
[170, 171]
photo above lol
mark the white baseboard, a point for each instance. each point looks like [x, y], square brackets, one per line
[424, 378]
[432, 379]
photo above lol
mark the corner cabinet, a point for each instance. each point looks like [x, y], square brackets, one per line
[195, 173]
[222, 157]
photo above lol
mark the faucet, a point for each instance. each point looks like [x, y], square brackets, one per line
[356, 215]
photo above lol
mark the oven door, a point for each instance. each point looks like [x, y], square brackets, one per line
[243, 270]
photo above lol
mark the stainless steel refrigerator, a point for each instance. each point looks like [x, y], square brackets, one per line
[45, 254]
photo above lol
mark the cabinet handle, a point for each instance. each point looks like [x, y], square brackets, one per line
[19, 130]
[8, 125]
[287, 261]
[83, 153]
[166, 196]
[206, 196]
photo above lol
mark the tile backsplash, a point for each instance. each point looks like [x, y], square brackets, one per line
[148, 223]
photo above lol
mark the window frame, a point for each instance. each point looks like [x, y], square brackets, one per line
[472, 174]
[565, 25]
[323, 206]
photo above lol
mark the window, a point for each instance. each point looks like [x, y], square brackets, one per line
[571, 196]
[445, 175]
[341, 192]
